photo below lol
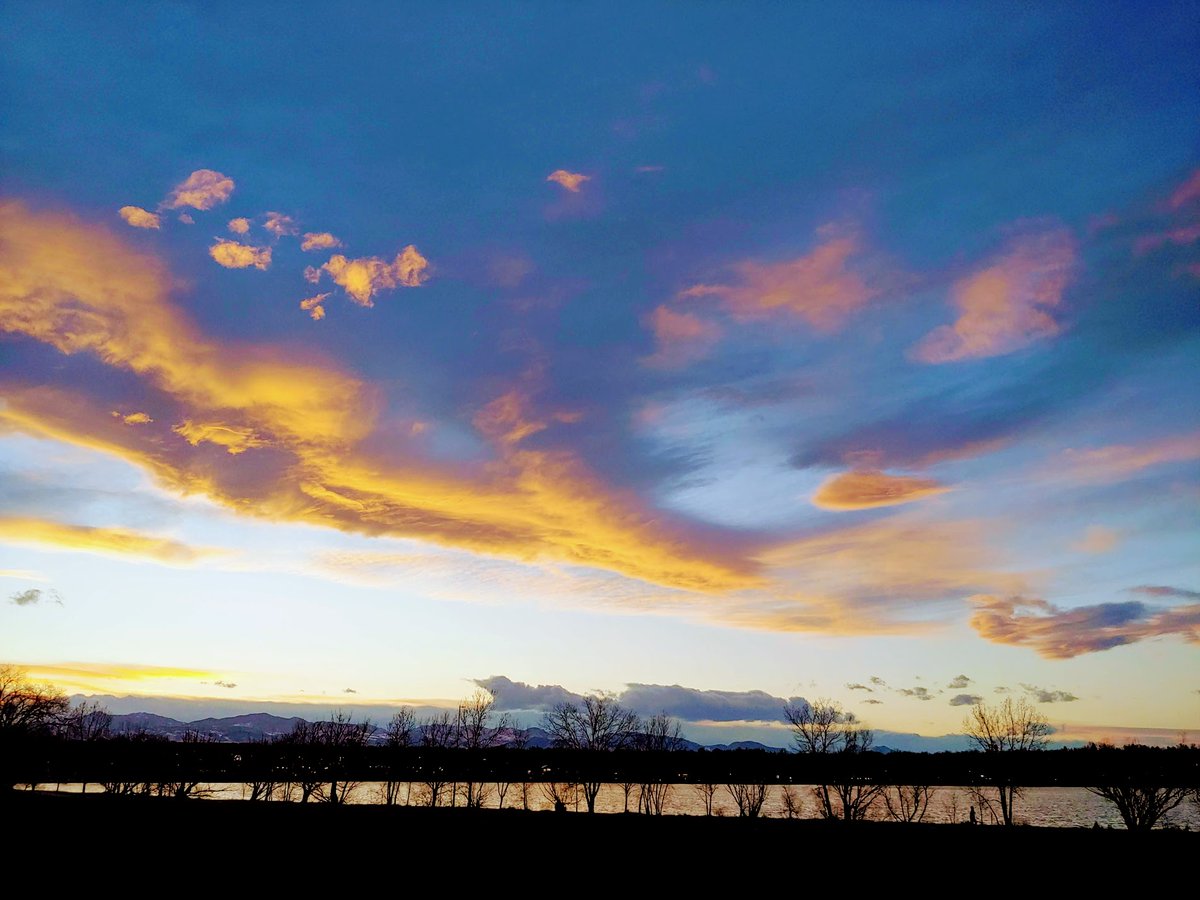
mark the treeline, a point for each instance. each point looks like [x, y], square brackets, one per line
[473, 756]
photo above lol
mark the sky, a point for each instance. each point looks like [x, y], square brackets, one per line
[710, 355]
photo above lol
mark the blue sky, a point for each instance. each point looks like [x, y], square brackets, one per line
[738, 347]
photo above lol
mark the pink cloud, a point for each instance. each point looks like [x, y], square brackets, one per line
[1007, 305]
[1119, 461]
[569, 180]
[820, 287]
[1186, 192]
[680, 338]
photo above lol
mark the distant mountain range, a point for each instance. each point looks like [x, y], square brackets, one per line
[265, 726]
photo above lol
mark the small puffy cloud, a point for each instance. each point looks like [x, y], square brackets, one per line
[349, 691]
[918, 693]
[315, 306]
[319, 240]
[239, 226]
[233, 255]
[34, 596]
[965, 699]
[820, 287]
[869, 488]
[680, 338]
[186, 219]
[229, 685]
[1007, 305]
[1165, 591]
[1120, 461]
[363, 278]
[1187, 192]
[569, 180]
[1097, 539]
[1044, 696]
[958, 682]
[203, 189]
[511, 694]
[134, 418]
[877, 681]
[138, 217]
[235, 439]
[873, 701]
[1057, 633]
[855, 686]
[1001, 689]
[280, 225]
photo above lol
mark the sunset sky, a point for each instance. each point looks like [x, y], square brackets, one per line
[708, 354]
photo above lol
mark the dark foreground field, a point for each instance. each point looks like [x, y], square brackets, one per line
[237, 835]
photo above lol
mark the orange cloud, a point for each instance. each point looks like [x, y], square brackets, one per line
[138, 217]
[234, 439]
[319, 240]
[314, 306]
[136, 418]
[112, 541]
[507, 418]
[570, 180]
[239, 226]
[233, 255]
[1097, 539]
[279, 224]
[1119, 461]
[1057, 633]
[203, 189]
[1186, 192]
[869, 488]
[365, 277]
[1187, 234]
[80, 289]
[1008, 305]
[680, 338]
[819, 288]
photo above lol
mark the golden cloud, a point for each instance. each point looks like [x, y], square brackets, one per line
[239, 226]
[80, 289]
[319, 240]
[314, 306]
[138, 217]
[1007, 305]
[508, 418]
[569, 180]
[680, 338]
[113, 541]
[135, 418]
[280, 225]
[869, 488]
[203, 189]
[233, 255]
[234, 439]
[820, 287]
[365, 277]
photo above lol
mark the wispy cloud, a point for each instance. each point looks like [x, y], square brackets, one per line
[1119, 461]
[1042, 695]
[203, 189]
[35, 597]
[1097, 539]
[234, 255]
[1165, 591]
[1186, 193]
[680, 338]
[572, 181]
[116, 541]
[869, 488]
[1007, 305]
[822, 287]
[280, 225]
[315, 306]
[138, 217]
[1058, 633]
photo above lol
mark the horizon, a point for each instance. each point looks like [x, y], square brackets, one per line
[709, 361]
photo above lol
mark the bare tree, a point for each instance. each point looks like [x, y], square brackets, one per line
[87, 722]
[825, 728]
[748, 798]
[185, 786]
[658, 734]
[1141, 806]
[791, 802]
[437, 735]
[707, 794]
[599, 723]
[398, 737]
[337, 741]
[476, 732]
[27, 710]
[518, 741]
[1009, 727]
[908, 802]
[560, 794]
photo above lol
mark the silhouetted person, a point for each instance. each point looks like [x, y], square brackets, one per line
[972, 815]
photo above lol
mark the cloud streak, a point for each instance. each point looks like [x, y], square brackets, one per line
[110, 541]
[871, 488]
